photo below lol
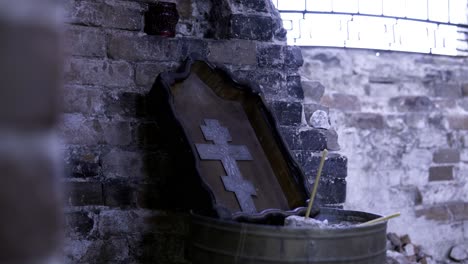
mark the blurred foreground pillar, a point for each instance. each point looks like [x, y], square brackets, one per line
[30, 78]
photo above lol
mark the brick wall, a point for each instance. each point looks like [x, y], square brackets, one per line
[402, 122]
[117, 168]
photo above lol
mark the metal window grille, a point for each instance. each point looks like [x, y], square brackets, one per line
[424, 26]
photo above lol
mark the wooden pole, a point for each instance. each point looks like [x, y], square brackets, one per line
[316, 183]
[380, 219]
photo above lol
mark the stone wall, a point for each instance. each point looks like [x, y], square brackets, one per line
[118, 208]
[402, 121]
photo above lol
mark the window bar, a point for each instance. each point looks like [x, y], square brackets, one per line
[382, 7]
[427, 10]
[439, 41]
[448, 11]
[379, 16]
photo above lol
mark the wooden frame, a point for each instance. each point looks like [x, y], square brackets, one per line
[172, 102]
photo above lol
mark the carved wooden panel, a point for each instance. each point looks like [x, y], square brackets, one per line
[239, 154]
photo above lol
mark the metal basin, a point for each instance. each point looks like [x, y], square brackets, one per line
[215, 241]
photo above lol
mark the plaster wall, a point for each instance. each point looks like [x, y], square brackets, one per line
[402, 121]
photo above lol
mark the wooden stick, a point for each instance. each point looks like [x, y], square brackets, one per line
[316, 183]
[380, 219]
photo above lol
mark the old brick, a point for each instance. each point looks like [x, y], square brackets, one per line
[343, 102]
[270, 56]
[442, 173]
[117, 133]
[312, 139]
[240, 52]
[78, 224]
[385, 74]
[120, 15]
[412, 103]
[146, 73]
[293, 57]
[465, 89]
[86, 41]
[331, 191]
[115, 250]
[335, 165]
[279, 32]
[447, 90]
[329, 60]
[366, 120]
[84, 193]
[270, 83]
[119, 163]
[251, 27]
[446, 156]
[99, 72]
[118, 194]
[79, 99]
[84, 165]
[125, 104]
[332, 139]
[115, 223]
[287, 113]
[294, 87]
[153, 48]
[459, 210]
[459, 122]
[313, 91]
[252, 5]
[78, 130]
[435, 76]
[75, 129]
[436, 212]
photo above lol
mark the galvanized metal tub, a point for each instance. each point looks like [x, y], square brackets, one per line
[215, 241]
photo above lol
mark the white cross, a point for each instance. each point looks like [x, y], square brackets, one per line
[228, 155]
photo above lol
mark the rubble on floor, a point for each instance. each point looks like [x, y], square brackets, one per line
[400, 250]
[459, 254]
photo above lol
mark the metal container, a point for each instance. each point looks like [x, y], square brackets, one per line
[215, 241]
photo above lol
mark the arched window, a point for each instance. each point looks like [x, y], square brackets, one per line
[425, 26]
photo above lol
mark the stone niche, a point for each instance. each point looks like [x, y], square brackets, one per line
[120, 209]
